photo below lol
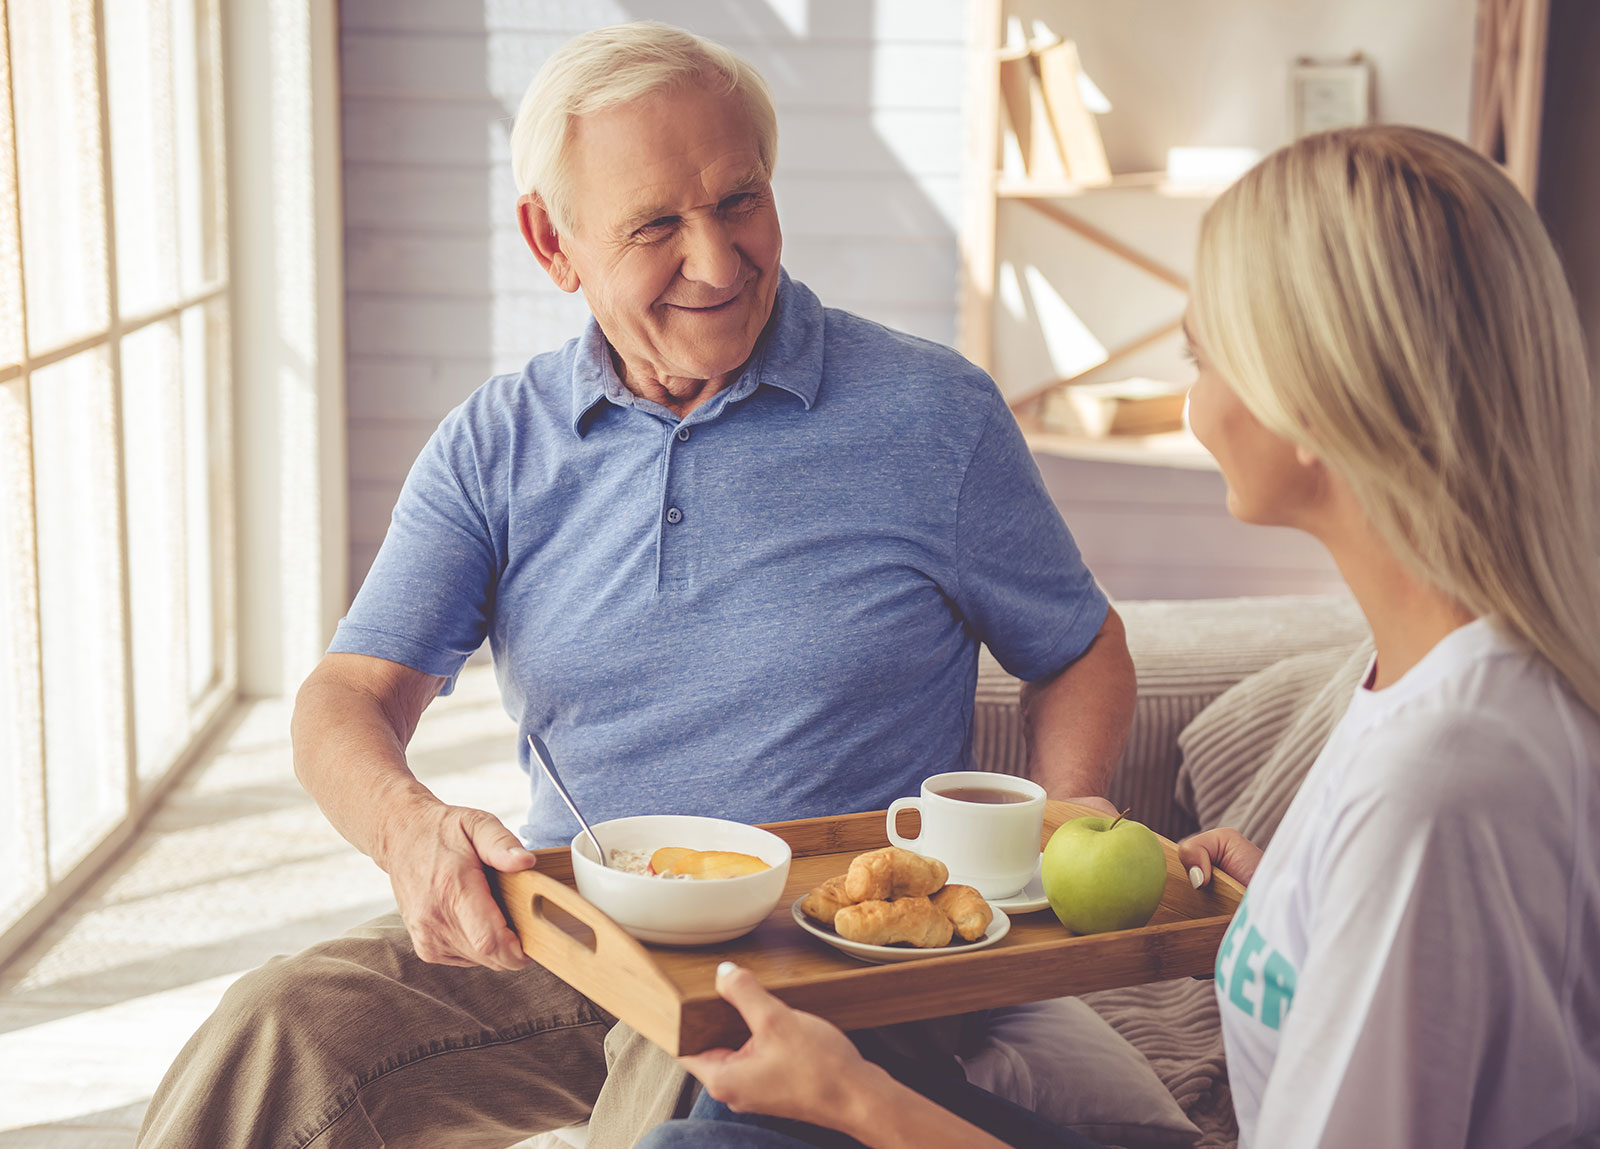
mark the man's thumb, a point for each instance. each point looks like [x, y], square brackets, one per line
[498, 847]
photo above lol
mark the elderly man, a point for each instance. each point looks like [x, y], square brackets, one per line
[734, 553]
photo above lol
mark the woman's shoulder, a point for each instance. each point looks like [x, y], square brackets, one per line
[1491, 728]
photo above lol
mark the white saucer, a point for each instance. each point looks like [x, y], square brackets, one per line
[1026, 900]
[883, 955]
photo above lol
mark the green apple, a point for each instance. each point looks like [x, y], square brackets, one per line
[1103, 874]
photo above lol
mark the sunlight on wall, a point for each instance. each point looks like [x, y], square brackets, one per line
[1033, 312]
[794, 14]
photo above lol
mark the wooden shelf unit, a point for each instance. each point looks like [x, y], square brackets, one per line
[988, 186]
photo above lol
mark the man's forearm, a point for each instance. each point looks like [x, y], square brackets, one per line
[1077, 723]
[349, 754]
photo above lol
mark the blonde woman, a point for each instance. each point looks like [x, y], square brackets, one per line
[1387, 358]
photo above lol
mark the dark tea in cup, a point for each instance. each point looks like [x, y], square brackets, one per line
[985, 794]
[985, 827]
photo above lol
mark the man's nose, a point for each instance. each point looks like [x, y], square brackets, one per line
[710, 256]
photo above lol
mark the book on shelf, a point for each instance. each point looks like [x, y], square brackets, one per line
[1023, 93]
[1054, 129]
[1121, 407]
[1060, 78]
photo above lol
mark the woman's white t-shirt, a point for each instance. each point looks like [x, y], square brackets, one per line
[1417, 959]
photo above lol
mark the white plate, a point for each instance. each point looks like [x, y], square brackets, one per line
[883, 955]
[1026, 900]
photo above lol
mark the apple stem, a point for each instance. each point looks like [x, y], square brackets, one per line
[1120, 816]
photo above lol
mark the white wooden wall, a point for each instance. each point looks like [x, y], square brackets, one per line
[441, 292]
[1165, 532]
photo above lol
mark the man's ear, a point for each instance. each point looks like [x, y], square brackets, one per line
[539, 230]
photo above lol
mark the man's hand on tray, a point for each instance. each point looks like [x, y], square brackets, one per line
[1103, 805]
[437, 859]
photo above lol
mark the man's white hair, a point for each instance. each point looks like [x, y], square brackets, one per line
[617, 65]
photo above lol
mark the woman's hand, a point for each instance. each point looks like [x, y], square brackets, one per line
[1225, 850]
[795, 1064]
[436, 863]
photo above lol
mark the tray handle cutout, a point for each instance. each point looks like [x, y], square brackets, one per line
[617, 964]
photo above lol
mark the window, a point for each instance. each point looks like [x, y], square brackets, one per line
[116, 612]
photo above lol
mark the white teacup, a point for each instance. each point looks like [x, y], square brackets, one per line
[984, 827]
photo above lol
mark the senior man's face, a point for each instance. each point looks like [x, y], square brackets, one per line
[675, 243]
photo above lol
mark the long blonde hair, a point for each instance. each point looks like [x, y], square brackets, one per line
[1385, 297]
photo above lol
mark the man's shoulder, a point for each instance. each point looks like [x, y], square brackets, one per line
[865, 350]
[544, 383]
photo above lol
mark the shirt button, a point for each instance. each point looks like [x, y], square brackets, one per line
[683, 434]
[674, 516]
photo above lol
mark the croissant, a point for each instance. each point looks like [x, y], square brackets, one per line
[893, 873]
[826, 900]
[914, 920]
[966, 909]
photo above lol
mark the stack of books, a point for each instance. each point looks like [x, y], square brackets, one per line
[1122, 407]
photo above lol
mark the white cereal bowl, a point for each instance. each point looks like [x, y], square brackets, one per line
[681, 912]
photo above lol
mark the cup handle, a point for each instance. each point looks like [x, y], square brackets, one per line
[894, 835]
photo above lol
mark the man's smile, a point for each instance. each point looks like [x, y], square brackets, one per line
[717, 306]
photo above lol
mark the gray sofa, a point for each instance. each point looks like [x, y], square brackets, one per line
[1186, 654]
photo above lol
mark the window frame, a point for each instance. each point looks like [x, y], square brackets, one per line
[44, 889]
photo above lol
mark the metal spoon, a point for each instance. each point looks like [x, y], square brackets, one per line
[541, 754]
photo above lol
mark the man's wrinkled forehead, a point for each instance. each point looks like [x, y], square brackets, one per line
[652, 151]
[650, 203]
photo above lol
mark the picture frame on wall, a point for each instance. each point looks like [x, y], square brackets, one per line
[1327, 94]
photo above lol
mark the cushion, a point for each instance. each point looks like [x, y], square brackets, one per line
[1061, 1060]
[1243, 757]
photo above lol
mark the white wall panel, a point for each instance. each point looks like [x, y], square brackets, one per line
[1165, 532]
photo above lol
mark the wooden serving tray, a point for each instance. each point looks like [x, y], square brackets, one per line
[668, 994]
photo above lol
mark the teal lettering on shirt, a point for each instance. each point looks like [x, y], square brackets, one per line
[1231, 938]
[1277, 989]
[1243, 975]
[1276, 972]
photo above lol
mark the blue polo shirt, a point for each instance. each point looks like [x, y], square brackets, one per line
[768, 609]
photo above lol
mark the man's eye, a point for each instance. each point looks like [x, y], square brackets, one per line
[738, 202]
[657, 228]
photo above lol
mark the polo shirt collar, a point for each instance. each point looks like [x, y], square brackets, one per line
[787, 356]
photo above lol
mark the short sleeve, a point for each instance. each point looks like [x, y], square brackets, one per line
[427, 601]
[1022, 586]
[1422, 955]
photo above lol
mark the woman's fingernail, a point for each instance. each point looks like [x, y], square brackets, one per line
[725, 969]
[1197, 877]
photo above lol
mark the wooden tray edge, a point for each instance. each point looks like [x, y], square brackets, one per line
[620, 974]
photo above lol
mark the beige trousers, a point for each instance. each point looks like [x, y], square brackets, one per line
[357, 1043]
